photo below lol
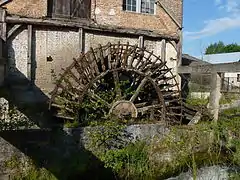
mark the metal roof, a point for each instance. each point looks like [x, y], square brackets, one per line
[222, 58]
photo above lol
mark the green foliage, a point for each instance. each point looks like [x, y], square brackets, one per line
[73, 124]
[11, 118]
[197, 101]
[234, 176]
[106, 135]
[35, 174]
[184, 148]
[228, 98]
[130, 162]
[220, 47]
[25, 169]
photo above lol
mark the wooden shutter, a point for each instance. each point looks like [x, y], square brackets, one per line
[72, 8]
[61, 8]
[80, 8]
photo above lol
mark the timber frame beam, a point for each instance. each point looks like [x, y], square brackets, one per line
[13, 30]
[86, 25]
[169, 13]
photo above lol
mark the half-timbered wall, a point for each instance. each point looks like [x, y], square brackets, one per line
[54, 49]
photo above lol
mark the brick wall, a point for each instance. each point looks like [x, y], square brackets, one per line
[175, 8]
[28, 8]
[110, 12]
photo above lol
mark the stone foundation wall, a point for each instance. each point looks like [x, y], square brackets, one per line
[49, 149]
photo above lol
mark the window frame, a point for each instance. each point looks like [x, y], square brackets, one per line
[138, 8]
[238, 77]
[64, 9]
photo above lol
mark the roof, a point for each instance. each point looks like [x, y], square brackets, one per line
[2, 2]
[188, 60]
[222, 58]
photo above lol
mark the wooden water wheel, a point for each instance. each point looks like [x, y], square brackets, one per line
[121, 80]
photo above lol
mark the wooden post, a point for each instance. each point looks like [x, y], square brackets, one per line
[3, 50]
[141, 42]
[215, 95]
[163, 50]
[29, 62]
[81, 40]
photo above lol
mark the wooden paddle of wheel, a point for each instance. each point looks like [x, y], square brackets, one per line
[117, 79]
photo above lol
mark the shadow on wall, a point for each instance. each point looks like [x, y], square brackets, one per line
[51, 147]
[60, 153]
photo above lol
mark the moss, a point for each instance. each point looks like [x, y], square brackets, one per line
[35, 174]
[25, 169]
[73, 124]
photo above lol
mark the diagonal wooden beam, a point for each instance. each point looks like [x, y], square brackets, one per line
[13, 30]
[3, 2]
[169, 13]
[87, 26]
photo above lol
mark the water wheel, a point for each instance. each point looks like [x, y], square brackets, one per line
[120, 80]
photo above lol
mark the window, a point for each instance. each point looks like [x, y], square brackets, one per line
[69, 8]
[130, 5]
[147, 6]
[139, 6]
[238, 77]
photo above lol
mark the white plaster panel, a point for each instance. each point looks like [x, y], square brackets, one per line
[154, 46]
[61, 46]
[171, 58]
[18, 53]
[92, 40]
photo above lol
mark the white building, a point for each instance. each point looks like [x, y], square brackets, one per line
[231, 79]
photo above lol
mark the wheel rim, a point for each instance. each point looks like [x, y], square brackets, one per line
[154, 87]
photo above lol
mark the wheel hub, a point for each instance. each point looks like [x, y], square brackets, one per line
[123, 109]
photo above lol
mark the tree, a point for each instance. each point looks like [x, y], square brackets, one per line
[220, 47]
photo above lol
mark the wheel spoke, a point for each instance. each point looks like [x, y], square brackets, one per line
[139, 105]
[117, 85]
[147, 108]
[134, 96]
[98, 98]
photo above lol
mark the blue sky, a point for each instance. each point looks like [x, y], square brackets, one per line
[209, 21]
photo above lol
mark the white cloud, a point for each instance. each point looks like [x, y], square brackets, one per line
[218, 2]
[233, 6]
[215, 26]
